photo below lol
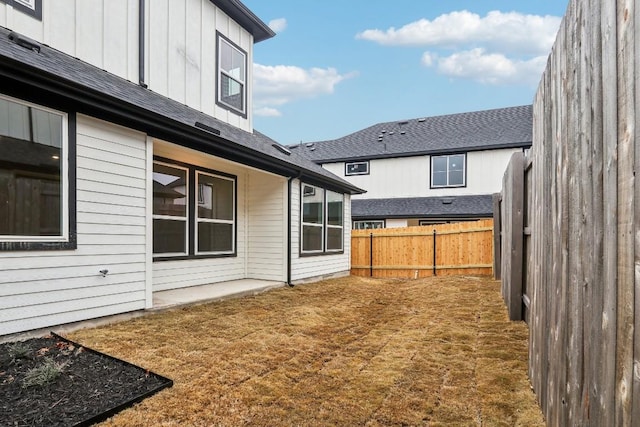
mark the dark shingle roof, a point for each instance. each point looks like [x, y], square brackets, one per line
[478, 130]
[476, 206]
[120, 97]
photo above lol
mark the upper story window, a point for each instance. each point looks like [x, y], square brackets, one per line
[322, 220]
[356, 168]
[232, 76]
[448, 171]
[368, 224]
[194, 212]
[35, 183]
[30, 7]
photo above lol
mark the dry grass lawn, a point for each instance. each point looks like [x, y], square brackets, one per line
[343, 352]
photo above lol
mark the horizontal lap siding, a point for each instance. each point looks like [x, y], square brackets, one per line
[266, 237]
[41, 289]
[317, 266]
[411, 176]
[184, 273]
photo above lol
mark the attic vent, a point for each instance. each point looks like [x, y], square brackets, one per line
[208, 128]
[25, 42]
[383, 131]
[447, 200]
[403, 123]
[402, 132]
[281, 148]
[422, 120]
[391, 133]
[310, 144]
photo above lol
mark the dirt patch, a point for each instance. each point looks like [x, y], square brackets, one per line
[350, 351]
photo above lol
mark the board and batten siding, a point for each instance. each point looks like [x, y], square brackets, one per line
[315, 267]
[410, 176]
[182, 58]
[103, 33]
[180, 44]
[267, 227]
[46, 288]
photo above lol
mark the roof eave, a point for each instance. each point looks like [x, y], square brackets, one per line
[245, 17]
[156, 125]
[523, 144]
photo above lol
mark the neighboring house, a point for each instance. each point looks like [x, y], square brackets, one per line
[129, 164]
[427, 170]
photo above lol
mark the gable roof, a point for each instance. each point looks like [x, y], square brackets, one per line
[475, 206]
[479, 130]
[48, 74]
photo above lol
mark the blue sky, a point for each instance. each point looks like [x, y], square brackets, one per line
[338, 66]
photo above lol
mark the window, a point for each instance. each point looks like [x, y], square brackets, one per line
[322, 220]
[30, 7]
[356, 168]
[368, 225]
[232, 74]
[215, 219]
[170, 225]
[194, 211]
[36, 207]
[448, 171]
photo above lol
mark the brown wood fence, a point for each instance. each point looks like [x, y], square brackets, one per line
[460, 248]
[580, 267]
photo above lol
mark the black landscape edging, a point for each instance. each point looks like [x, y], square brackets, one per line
[166, 383]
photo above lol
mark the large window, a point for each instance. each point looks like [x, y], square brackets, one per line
[194, 211]
[216, 213]
[30, 7]
[232, 76]
[448, 171]
[322, 220]
[34, 177]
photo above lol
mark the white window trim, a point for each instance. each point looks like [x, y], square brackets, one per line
[243, 83]
[464, 171]
[64, 179]
[346, 168]
[184, 219]
[198, 220]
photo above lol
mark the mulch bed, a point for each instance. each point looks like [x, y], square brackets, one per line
[90, 387]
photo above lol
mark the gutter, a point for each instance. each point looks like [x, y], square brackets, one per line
[289, 224]
[141, 43]
[116, 110]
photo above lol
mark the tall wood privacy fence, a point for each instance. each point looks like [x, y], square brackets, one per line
[413, 252]
[581, 270]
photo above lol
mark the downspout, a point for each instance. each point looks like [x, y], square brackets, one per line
[289, 223]
[141, 40]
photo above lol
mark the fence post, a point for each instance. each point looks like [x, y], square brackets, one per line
[434, 252]
[370, 254]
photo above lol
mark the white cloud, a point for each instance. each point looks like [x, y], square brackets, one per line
[278, 25]
[488, 68]
[281, 84]
[267, 112]
[502, 31]
[499, 48]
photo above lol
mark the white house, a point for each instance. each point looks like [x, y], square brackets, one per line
[129, 164]
[426, 170]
